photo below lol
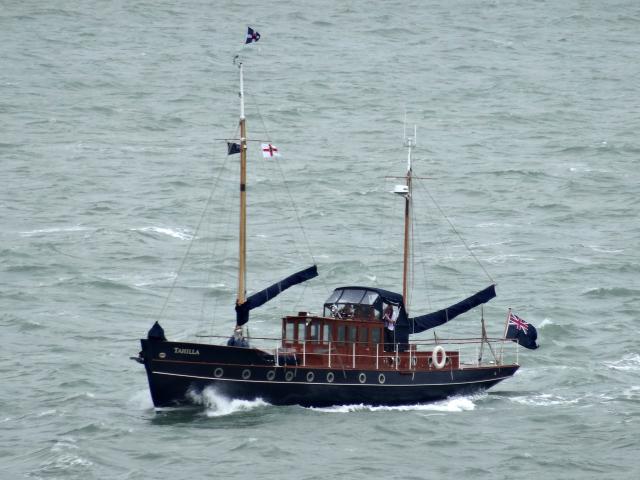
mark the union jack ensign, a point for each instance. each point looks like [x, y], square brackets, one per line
[517, 322]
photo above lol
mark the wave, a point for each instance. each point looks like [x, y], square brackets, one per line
[49, 231]
[178, 233]
[450, 405]
[605, 292]
[630, 362]
[218, 405]
[544, 400]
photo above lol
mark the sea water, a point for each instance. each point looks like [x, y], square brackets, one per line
[112, 116]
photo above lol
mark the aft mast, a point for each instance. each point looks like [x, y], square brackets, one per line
[410, 143]
[405, 191]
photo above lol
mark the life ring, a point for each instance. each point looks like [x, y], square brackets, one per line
[434, 357]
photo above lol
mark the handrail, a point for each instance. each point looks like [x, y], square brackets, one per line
[415, 350]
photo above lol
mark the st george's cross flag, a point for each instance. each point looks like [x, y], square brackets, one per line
[252, 36]
[269, 151]
[521, 332]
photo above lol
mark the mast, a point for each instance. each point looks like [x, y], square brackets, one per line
[242, 248]
[409, 142]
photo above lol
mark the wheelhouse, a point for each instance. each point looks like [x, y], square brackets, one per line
[351, 316]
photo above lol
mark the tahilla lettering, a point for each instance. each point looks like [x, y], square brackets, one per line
[186, 351]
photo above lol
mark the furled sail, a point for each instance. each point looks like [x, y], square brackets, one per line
[263, 296]
[431, 320]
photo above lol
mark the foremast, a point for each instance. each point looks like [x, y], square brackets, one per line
[242, 247]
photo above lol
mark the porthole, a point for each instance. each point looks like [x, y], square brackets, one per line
[310, 377]
[330, 377]
[381, 378]
[414, 361]
[218, 372]
[246, 374]
[162, 355]
[271, 374]
[430, 362]
[289, 376]
[362, 378]
[447, 361]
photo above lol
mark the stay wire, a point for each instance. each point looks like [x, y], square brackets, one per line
[286, 186]
[191, 242]
[460, 237]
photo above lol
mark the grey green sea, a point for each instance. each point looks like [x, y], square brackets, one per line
[115, 182]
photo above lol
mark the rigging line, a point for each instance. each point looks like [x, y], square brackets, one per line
[219, 249]
[459, 236]
[422, 263]
[184, 258]
[412, 244]
[209, 252]
[286, 186]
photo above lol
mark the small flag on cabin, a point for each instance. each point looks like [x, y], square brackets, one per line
[522, 332]
[269, 151]
[233, 148]
[252, 36]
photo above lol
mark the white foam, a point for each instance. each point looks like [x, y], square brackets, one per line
[632, 393]
[47, 231]
[141, 400]
[451, 405]
[46, 413]
[545, 322]
[544, 400]
[628, 363]
[219, 405]
[178, 233]
[599, 249]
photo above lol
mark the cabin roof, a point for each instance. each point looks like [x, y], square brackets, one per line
[388, 296]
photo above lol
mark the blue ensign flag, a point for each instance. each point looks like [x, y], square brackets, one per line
[522, 332]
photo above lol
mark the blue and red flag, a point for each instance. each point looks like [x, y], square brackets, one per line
[252, 35]
[521, 332]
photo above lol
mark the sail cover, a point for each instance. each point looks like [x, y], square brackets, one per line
[431, 320]
[260, 298]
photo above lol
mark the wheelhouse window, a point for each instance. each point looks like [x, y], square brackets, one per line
[375, 336]
[289, 333]
[334, 296]
[314, 332]
[352, 296]
[370, 298]
[353, 332]
[363, 335]
[302, 331]
[353, 303]
[326, 335]
[342, 333]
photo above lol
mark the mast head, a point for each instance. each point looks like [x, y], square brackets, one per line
[410, 143]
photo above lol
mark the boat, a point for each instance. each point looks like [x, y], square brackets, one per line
[359, 350]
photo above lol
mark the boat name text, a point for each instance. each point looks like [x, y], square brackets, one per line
[186, 351]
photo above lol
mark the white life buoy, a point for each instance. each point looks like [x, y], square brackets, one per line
[434, 357]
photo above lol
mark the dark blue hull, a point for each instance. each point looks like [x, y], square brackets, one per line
[176, 370]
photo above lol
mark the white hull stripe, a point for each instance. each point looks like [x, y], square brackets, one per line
[331, 384]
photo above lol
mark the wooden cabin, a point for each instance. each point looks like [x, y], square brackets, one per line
[353, 333]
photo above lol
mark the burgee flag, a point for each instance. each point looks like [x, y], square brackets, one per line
[269, 151]
[522, 332]
[252, 35]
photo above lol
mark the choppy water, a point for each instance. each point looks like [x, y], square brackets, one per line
[527, 117]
